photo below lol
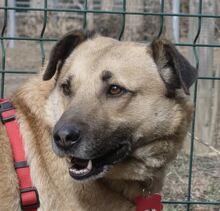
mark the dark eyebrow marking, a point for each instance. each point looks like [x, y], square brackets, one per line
[69, 79]
[106, 75]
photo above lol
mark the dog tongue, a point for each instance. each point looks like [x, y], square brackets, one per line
[79, 163]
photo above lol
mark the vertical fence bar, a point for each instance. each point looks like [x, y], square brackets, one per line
[3, 48]
[123, 20]
[194, 113]
[42, 33]
[85, 15]
[161, 18]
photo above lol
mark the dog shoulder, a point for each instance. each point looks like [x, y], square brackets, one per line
[8, 179]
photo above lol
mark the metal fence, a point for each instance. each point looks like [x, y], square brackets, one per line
[199, 16]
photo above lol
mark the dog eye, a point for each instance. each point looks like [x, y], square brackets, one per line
[115, 90]
[66, 88]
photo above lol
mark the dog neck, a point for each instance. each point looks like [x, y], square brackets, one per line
[129, 189]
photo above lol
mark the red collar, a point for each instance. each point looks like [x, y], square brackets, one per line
[148, 203]
[28, 193]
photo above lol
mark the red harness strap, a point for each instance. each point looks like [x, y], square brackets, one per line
[28, 194]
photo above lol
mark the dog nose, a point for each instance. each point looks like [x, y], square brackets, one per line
[66, 137]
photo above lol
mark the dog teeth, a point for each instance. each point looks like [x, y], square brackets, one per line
[78, 172]
[82, 171]
[89, 166]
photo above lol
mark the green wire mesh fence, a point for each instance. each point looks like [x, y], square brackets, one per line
[41, 39]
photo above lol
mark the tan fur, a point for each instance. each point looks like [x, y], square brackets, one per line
[39, 106]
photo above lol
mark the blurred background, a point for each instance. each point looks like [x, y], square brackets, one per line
[29, 28]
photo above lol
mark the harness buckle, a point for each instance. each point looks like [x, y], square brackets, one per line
[29, 205]
[6, 106]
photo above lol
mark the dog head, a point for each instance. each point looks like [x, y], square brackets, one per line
[111, 98]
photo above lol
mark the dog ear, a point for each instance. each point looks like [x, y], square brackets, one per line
[61, 51]
[174, 69]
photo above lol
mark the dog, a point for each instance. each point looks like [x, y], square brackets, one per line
[100, 123]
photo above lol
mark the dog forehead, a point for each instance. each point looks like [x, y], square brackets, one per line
[129, 63]
[93, 48]
[102, 53]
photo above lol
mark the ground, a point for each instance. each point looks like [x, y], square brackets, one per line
[205, 181]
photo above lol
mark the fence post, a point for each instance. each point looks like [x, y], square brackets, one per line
[90, 16]
[133, 22]
[176, 9]
[204, 101]
[168, 28]
[11, 23]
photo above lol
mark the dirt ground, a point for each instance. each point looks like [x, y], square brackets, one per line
[205, 182]
[26, 56]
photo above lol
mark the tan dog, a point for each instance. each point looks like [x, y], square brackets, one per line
[117, 112]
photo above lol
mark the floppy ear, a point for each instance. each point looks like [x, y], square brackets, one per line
[61, 51]
[174, 69]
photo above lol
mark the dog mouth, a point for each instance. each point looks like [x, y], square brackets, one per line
[82, 169]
